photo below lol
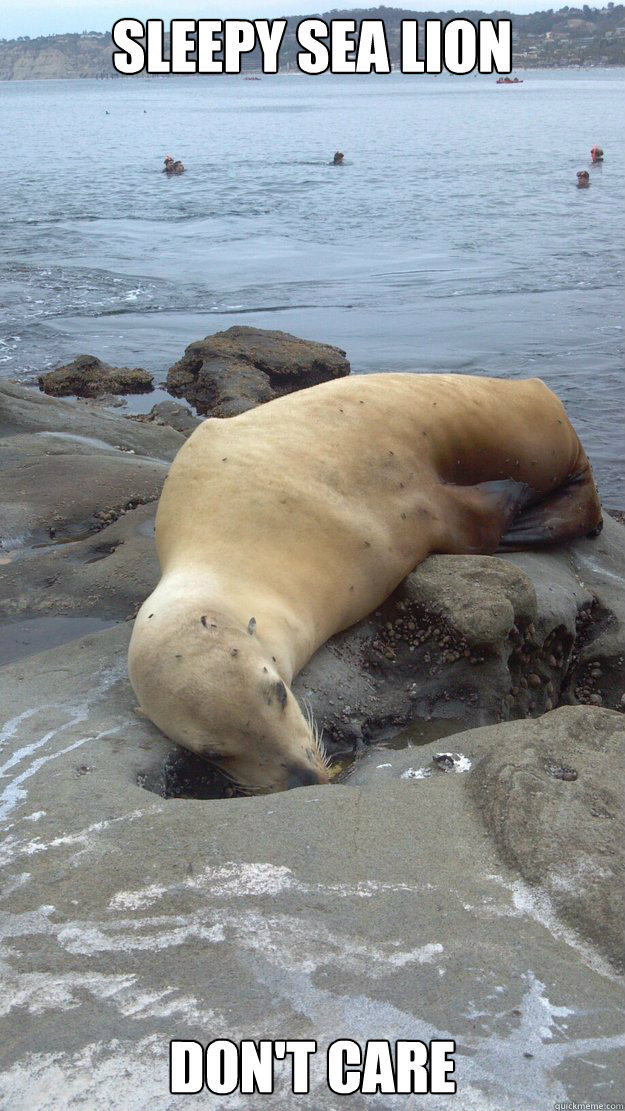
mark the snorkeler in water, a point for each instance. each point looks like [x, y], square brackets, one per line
[172, 166]
[338, 158]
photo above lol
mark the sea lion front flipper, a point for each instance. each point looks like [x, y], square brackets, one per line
[571, 511]
[476, 517]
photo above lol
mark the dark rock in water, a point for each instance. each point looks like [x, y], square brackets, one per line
[232, 371]
[172, 414]
[88, 376]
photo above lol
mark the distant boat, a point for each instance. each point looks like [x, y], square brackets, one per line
[509, 80]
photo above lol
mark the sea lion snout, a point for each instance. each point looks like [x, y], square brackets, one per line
[301, 775]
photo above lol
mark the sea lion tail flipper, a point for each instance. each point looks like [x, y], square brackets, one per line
[571, 511]
[479, 515]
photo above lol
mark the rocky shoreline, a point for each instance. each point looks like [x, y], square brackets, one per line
[335, 912]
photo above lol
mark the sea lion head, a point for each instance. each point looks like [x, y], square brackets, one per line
[208, 683]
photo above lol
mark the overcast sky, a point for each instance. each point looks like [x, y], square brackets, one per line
[51, 17]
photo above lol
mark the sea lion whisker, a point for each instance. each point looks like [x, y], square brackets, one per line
[307, 710]
[317, 733]
[248, 792]
[323, 752]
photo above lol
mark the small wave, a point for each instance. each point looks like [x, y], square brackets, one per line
[134, 294]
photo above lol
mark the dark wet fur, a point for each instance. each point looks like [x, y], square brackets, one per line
[568, 513]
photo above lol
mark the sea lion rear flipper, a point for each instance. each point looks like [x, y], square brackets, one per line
[478, 516]
[571, 511]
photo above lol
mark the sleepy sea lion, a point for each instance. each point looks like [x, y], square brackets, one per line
[281, 526]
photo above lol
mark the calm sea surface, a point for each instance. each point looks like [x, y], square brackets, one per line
[453, 239]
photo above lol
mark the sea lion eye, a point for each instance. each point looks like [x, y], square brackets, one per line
[251, 625]
[281, 693]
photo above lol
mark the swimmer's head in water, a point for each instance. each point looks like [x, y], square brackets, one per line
[583, 179]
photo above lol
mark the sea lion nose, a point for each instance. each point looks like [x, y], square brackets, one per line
[298, 775]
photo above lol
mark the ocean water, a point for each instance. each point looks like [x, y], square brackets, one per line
[453, 239]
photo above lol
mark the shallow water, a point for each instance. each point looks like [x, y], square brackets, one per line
[454, 239]
[19, 639]
[416, 735]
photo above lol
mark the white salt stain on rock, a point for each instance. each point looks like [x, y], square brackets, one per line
[109, 1075]
[416, 773]
[12, 848]
[425, 954]
[84, 836]
[14, 883]
[168, 1004]
[492, 1073]
[15, 792]
[236, 879]
[285, 955]
[596, 568]
[462, 763]
[284, 939]
[441, 762]
[44, 991]
[536, 904]
[39, 992]
[30, 922]
[11, 727]
[137, 900]
[86, 938]
[86, 441]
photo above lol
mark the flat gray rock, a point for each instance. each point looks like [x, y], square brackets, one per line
[71, 473]
[56, 488]
[383, 911]
[551, 792]
[107, 573]
[176, 416]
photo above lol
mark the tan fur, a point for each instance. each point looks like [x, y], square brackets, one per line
[304, 515]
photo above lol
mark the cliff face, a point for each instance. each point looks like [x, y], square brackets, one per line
[56, 56]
